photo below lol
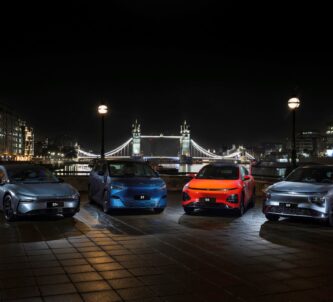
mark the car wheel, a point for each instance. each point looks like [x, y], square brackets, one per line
[241, 209]
[272, 217]
[69, 215]
[106, 203]
[330, 216]
[7, 209]
[188, 210]
[253, 199]
[158, 210]
[90, 195]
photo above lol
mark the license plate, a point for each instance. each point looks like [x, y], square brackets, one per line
[142, 197]
[288, 205]
[208, 199]
[55, 204]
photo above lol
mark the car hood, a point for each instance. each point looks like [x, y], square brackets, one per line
[214, 184]
[300, 187]
[138, 182]
[44, 189]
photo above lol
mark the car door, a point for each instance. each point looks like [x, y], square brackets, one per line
[101, 180]
[246, 184]
[3, 178]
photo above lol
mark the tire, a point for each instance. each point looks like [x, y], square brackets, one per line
[8, 212]
[272, 217]
[158, 210]
[253, 199]
[69, 215]
[330, 217]
[106, 207]
[188, 210]
[241, 209]
[89, 195]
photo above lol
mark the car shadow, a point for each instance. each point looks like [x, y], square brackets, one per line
[296, 232]
[208, 219]
[120, 212]
[40, 228]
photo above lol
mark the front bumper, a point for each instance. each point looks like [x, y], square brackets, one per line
[154, 202]
[42, 208]
[295, 210]
[196, 199]
[210, 205]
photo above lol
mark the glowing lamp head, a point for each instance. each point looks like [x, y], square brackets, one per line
[102, 109]
[294, 103]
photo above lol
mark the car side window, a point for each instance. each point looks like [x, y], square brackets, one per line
[100, 166]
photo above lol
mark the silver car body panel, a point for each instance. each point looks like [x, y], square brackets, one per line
[32, 197]
[296, 199]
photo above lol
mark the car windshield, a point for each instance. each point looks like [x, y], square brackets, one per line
[312, 174]
[30, 173]
[219, 172]
[131, 169]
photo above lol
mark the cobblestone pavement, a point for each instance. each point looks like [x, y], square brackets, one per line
[141, 256]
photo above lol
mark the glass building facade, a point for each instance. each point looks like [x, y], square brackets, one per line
[16, 137]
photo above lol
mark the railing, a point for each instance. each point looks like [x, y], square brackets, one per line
[71, 173]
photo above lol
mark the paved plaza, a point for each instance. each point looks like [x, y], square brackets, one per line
[141, 256]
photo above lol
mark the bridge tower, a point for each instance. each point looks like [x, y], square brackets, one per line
[185, 144]
[136, 135]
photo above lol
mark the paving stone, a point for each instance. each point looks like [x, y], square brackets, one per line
[105, 296]
[125, 283]
[57, 289]
[92, 286]
[63, 298]
[90, 276]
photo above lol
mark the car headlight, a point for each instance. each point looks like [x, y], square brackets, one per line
[27, 198]
[318, 199]
[267, 195]
[117, 187]
[163, 186]
[75, 196]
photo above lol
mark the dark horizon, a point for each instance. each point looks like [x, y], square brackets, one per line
[163, 64]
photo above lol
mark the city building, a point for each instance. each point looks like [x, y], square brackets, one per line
[16, 137]
[310, 143]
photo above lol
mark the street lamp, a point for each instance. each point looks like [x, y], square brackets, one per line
[102, 110]
[293, 104]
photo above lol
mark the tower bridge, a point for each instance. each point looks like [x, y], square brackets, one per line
[188, 148]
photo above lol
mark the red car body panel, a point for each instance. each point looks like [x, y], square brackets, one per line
[219, 190]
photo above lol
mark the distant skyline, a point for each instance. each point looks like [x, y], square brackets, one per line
[229, 73]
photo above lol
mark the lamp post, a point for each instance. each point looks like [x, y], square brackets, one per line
[293, 104]
[102, 110]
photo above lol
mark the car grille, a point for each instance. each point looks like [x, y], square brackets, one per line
[289, 198]
[293, 211]
[51, 211]
[55, 199]
[203, 204]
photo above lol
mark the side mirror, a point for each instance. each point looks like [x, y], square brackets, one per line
[61, 180]
[157, 174]
[100, 173]
[247, 177]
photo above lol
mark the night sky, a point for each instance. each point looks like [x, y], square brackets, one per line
[228, 70]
